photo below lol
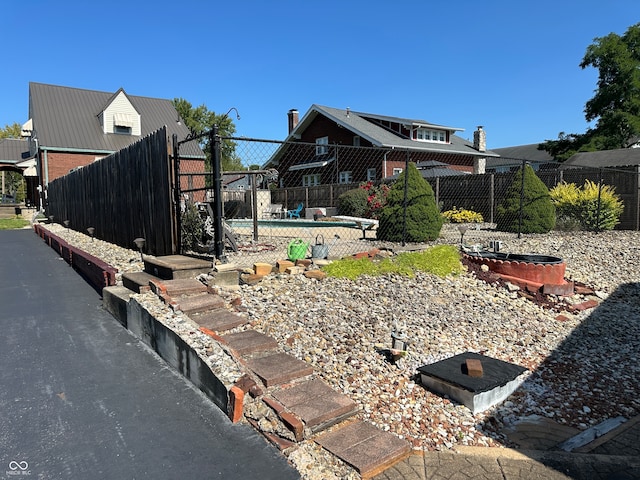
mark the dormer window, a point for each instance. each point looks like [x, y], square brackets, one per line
[430, 135]
[119, 116]
[119, 129]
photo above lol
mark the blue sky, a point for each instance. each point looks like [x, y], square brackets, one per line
[511, 66]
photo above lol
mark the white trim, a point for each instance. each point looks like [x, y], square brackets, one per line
[304, 166]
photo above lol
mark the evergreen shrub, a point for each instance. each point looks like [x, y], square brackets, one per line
[422, 215]
[538, 211]
[192, 228]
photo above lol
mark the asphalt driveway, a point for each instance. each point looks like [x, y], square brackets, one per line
[80, 397]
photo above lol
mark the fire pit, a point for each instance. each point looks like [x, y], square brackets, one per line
[530, 269]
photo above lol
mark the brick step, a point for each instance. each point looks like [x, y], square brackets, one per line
[365, 447]
[171, 267]
[219, 320]
[316, 404]
[138, 282]
[249, 342]
[198, 303]
[179, 286]
[279, 368]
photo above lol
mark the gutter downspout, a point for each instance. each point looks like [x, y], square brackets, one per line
[46, 168]
[384, 166]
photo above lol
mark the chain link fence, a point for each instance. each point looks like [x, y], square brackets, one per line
[320, 200]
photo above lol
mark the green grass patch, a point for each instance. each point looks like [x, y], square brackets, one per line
[13, 223]
[441, 260]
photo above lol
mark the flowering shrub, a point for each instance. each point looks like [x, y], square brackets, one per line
[376, 198]
[462, 215]
[580, 204]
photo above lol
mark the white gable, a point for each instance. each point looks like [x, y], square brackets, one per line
[120, 114]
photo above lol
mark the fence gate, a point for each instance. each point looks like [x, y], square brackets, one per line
[195, 183]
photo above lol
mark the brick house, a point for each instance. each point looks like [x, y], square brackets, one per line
[329, 145]
[69, 128]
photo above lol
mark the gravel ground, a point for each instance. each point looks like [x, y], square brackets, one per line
[583, 366]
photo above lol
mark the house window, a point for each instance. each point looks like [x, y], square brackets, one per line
[397, 171]
[311, 180]
[371, 174]
[345, 177]
[121, 130]
[322, 145]
[356, 141]
[426, 135]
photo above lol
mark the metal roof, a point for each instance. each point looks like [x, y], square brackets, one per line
[622, 157]
[515, 155]
[13, 150]
[433, 173]
[67, 118]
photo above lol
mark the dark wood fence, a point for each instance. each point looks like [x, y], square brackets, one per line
[319, 196]
[123, 196]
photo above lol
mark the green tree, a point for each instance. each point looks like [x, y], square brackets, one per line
[11, 131]
[422, 216]
[13, 181]
[538, 212]
[615, 106]
[201, 119]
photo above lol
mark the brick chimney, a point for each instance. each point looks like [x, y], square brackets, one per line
[293, 119]
[480, 139]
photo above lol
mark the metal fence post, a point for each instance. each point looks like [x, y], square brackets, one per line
[218, 234]
[492, 196]
[254, 205]
[176, 193]
[405, 201]
[599, 203]
[524, 164]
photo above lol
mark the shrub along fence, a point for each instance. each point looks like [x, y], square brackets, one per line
[322, 180]
[124, 196]
[319, 193]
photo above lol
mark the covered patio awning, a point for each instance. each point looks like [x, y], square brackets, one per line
[304, 166]
[29, 167]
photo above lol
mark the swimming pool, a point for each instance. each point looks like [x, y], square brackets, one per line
[280, 223]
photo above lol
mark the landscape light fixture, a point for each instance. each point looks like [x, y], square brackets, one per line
[50, 218]
[91, 231]
[463, 229]
[140, 243]
[66, 224]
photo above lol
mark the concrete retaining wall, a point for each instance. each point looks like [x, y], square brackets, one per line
[172, 349]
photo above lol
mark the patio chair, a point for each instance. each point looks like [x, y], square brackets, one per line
[274, 210]
[295, 213]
